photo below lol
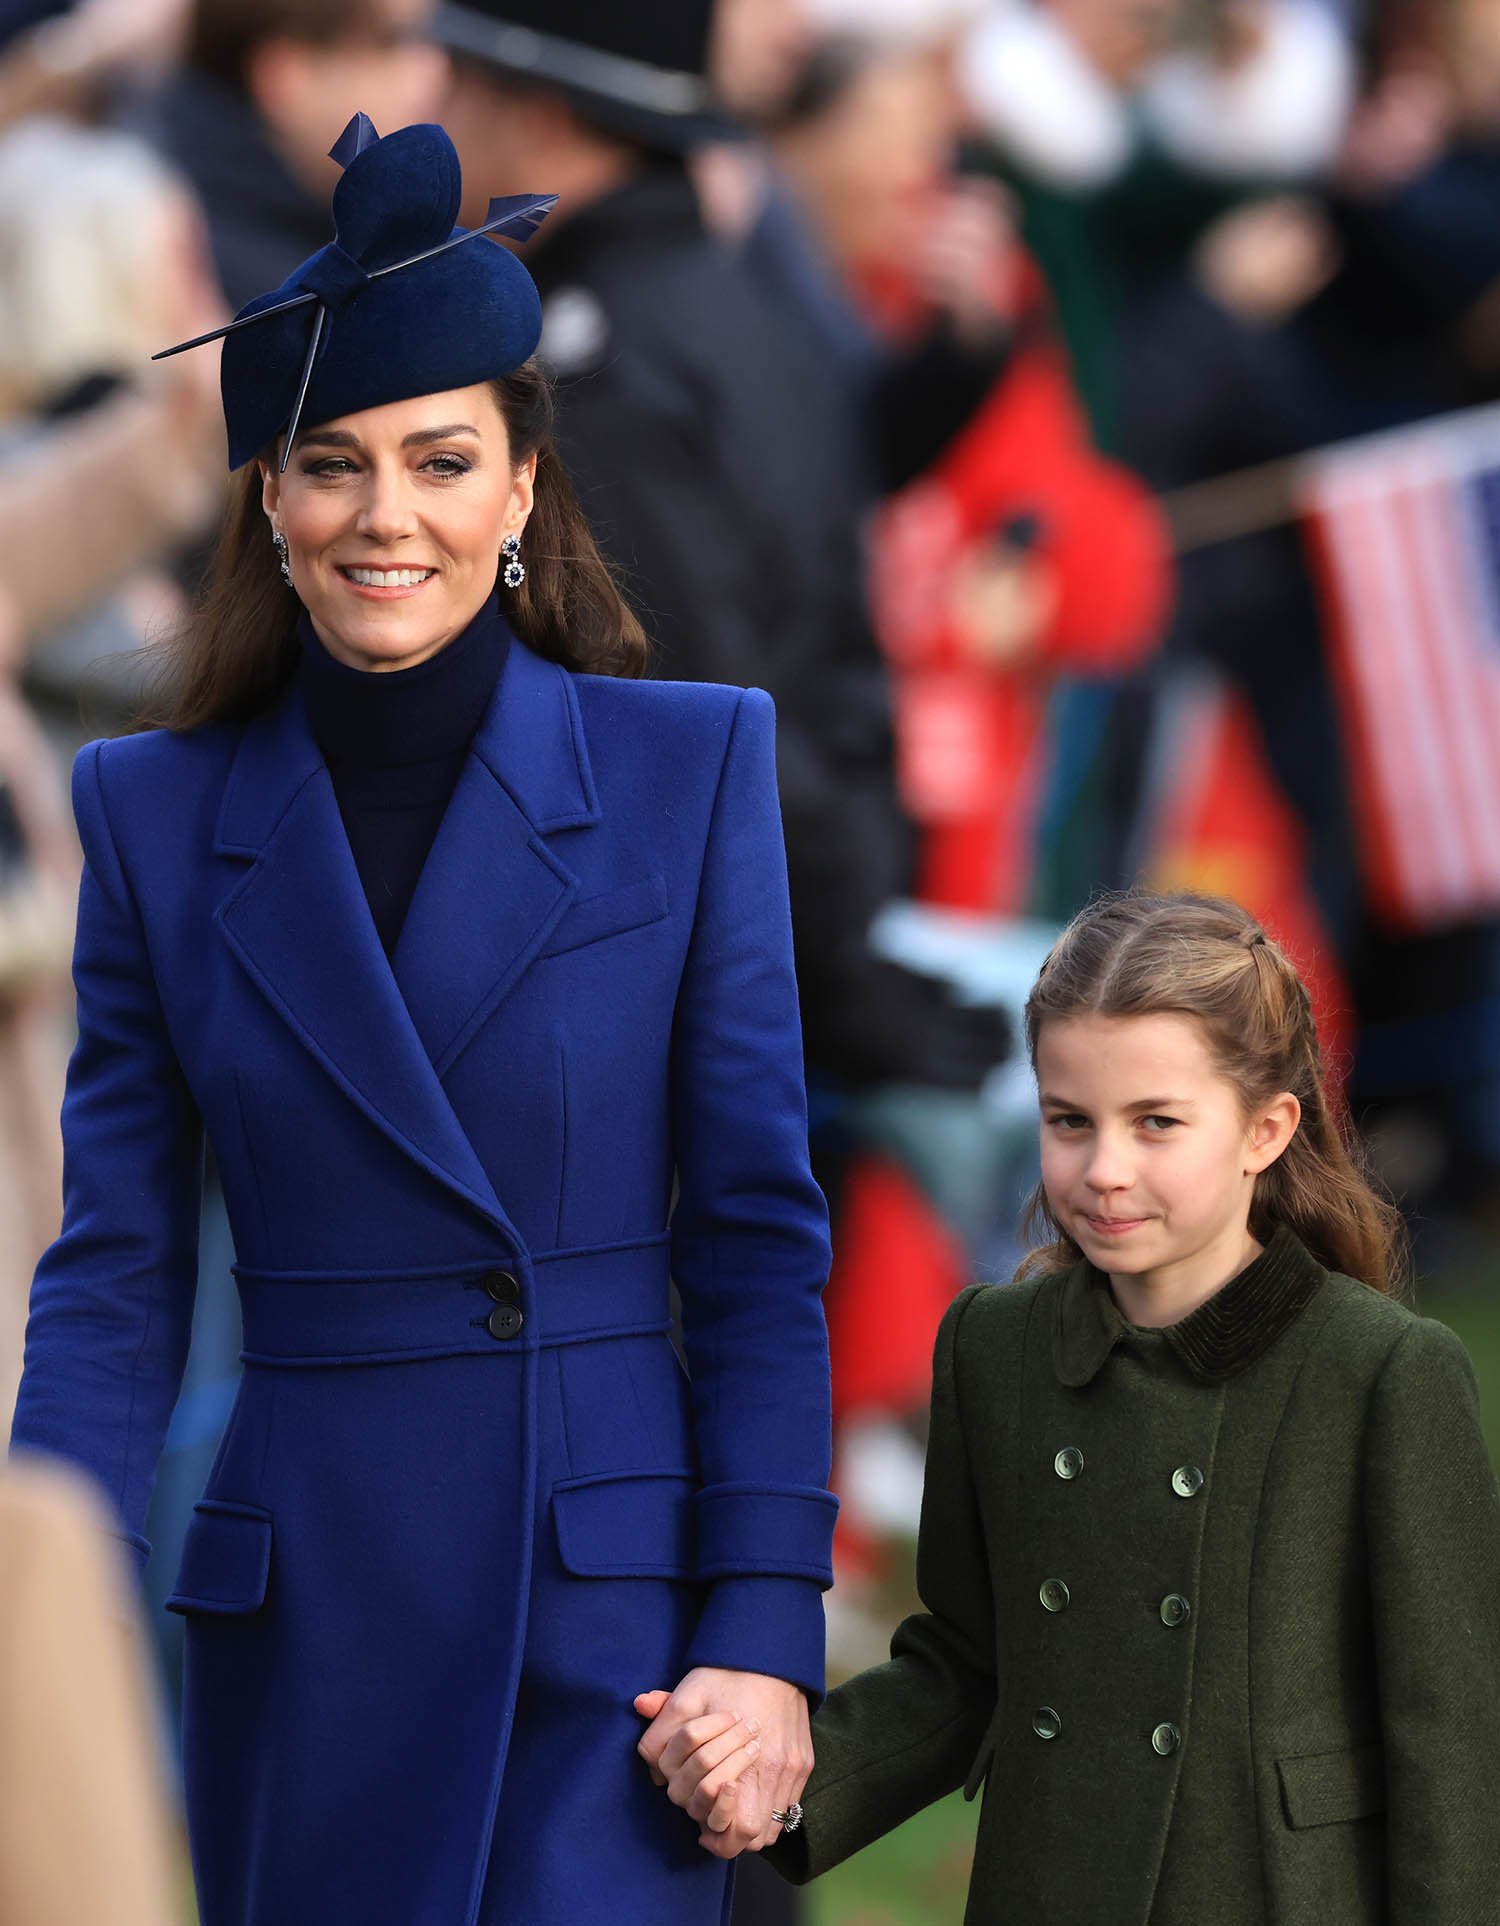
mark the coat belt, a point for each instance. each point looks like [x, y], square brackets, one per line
[328, 1318]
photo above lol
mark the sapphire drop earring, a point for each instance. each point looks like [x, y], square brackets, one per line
[515, 568]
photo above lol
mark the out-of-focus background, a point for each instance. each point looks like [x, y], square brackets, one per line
[1098, 458]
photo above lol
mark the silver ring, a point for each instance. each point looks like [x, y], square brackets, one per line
[790, 1819]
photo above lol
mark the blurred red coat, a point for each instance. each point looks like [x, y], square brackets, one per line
[971, 737]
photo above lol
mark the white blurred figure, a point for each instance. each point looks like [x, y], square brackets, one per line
[1255, 90]
[1266, 94]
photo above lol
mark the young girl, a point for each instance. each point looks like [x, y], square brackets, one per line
[1210, 1546]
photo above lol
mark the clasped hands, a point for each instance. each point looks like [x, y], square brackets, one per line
[730, 1748]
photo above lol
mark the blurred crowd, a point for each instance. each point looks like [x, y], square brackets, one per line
[949, 375]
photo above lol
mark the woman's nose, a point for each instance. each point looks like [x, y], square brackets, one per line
[385, 510]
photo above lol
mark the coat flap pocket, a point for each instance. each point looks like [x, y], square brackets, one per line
[1326, 1788]
[611, 914]
[632, 1524]
[226, 1559]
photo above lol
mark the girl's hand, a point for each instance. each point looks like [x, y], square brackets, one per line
[698, 1745]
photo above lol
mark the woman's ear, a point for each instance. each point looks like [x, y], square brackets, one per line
[522, 497]
[1271, 1129]
[270, 490]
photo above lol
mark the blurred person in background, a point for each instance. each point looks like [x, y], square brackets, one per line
[101, 477]
[1016, 553]
[264, 88]
[1127, 126]
[1127, 130]
[685, 384]
[72, 60]
[84, 1829]
[1409, 327]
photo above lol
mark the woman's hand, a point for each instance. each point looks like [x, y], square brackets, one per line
[731, 1748]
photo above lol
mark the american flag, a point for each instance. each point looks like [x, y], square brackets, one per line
[1406, 532]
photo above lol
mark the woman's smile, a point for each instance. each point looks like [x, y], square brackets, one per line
[387, 584]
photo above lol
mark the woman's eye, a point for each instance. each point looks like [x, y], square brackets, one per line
[449, 465]
[329, 467]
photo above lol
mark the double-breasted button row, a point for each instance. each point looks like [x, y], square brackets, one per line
[1187, 1480]
[1056, 1597]
[504, 1292]
[1046, 1723]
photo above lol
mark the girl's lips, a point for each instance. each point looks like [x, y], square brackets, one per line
[1114, 1226]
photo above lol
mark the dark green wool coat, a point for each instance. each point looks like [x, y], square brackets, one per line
[1213, 1613]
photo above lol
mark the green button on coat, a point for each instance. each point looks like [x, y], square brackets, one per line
[1045, 1723]
[1068, 1462]
[1187, 1481]
[1054, 1594]
[1175, 1609]
[1166, 1739]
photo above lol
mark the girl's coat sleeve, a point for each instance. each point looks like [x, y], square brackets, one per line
[750, 1241]
[905, 1733]
[111, 1307]
[1433, 1523]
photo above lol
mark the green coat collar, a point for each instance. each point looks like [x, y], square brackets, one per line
[1216, 1342]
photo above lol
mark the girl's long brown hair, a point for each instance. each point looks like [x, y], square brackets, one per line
[239, 648]
[1200, 956]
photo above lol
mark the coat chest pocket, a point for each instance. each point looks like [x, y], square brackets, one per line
[613, 913]
[226, 1560]
[629, 1524]
[1331, 1788]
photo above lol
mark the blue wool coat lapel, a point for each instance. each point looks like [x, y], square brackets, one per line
[300, 925]
[492, 891]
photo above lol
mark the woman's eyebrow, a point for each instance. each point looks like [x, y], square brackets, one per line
[420, 437]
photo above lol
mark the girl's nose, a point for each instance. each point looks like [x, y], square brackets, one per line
[1109, 1167]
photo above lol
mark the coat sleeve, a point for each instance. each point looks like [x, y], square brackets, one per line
[1433, 1523]
[111, 1305]
[897, 1737]
[750, 1242]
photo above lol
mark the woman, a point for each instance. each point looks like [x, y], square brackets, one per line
[469, 952]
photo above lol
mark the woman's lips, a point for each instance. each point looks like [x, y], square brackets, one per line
[390, 588]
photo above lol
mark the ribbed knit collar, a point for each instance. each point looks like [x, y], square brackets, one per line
[1223, 1337]
[397, 717]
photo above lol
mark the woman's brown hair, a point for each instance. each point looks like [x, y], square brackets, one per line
[1201, 956]
[239, 648]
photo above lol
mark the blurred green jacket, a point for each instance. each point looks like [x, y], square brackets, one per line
[1213, 1616]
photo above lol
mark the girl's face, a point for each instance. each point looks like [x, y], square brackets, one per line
[417, 495]
[1148, 1159]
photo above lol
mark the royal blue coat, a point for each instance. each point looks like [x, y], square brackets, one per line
[468, 1502]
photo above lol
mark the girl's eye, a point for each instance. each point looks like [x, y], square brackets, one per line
[1160, 1125]
[1068, 1120]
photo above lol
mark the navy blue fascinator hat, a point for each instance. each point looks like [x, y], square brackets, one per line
[398, 304]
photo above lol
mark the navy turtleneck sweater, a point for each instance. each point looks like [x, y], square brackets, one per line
[395, 741]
